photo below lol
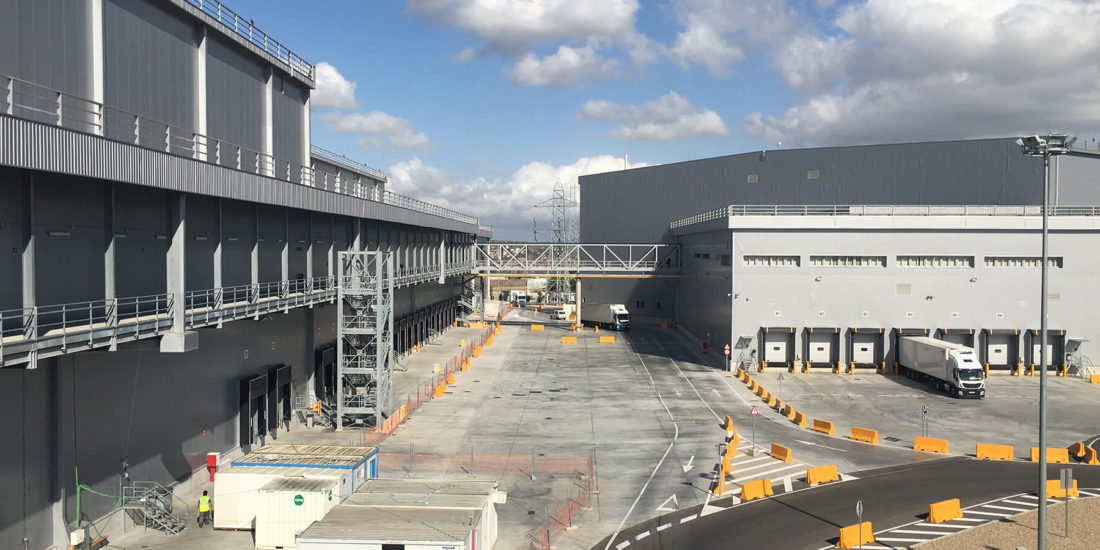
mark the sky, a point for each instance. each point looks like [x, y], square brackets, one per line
[483, 105]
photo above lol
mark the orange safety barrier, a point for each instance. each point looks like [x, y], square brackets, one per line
[799, 419]
[729, 451]
[756, 489]
[823, 426]
[1055, 455]
[489, 342]
[769, 399]
[477, 351]
[864, 435]
[741, 374]
[538, 328]
[856, 535]
[404, 412]
[728, 424]
[779, 452]
[748, 380]
[465, 365]
[1094, 379]
[930, 444]
[569, 339]
[451, 378]
[1055, 490]
[734, 439]
[760, 391]
[1077, 450]
[607, 339]
[1090, 456]
[753, 386]
[439, 390]
[945, 510]
[727, 466]
[787, 411]
[821, 474]
[777, 405]
[995, 452]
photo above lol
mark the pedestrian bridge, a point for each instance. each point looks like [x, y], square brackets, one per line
[519, 259]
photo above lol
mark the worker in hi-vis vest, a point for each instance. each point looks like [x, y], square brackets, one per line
[205, 513]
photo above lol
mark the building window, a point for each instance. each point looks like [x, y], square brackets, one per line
[848, 261]
[753, 178]
[726, 259]
[639, 304]
[706, 256]
[1022, 261]
[813, 174]
[770, 261]
[936, 261]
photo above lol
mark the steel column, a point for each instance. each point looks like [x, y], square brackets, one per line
[30, 320]
[109, 285]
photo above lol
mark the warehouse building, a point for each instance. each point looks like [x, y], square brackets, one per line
[171, 243]
[821, 258]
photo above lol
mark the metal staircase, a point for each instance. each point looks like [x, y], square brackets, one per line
[1079, 365]
[153, 505]
[364, 338]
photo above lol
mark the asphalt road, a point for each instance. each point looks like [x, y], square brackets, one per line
[811, 518]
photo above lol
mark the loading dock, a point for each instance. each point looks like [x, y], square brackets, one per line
[254, 412]
[821, 347]
[777, 347]
[896, 335]
[961, 336]
[999, 349]
[1056, 346]
[866, 348]
[279, 400]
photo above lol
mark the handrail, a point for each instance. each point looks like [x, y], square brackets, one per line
[883, 210]
[27, 100]
[247, 30]
[354, 165]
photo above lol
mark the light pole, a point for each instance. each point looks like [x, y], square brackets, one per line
[1044, 146]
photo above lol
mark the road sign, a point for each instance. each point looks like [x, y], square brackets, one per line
[754, 412]
[1066, 478]
[859, 508]
[726, 350]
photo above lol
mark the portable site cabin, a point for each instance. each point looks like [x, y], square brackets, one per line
[369, 528]
[285, 507]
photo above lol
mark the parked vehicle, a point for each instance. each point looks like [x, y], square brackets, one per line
[558, 315]
[611, 316]
[953, 368]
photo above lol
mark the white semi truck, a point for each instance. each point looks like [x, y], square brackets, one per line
[612, 316]
[953, 368]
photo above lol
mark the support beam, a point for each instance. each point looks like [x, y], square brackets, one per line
[309, 257]
[201, 151]
[178, 339]
[95, 28]
[268, 146]
[254, 256]
[109, 286]
[284, 259]
[29, 220]
[219, 234]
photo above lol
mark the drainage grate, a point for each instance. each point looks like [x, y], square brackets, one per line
[535, 391]
[892, 439]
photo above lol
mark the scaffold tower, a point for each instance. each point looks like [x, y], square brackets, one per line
[364, 339]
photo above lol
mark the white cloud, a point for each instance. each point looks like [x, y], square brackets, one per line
[513, 27]
[699, 43]
[465, 56]
[506, 203]
[718, 32]
[668, 117]
[569, 67]
[941, 69]
[333, 90]
[377, 128]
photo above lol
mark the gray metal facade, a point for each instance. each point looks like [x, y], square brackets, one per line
[46, 41]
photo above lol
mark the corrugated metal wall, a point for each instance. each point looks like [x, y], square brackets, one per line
[149, 58]
[46, 41]
[288, 101]
[235, 87]
[637, 205]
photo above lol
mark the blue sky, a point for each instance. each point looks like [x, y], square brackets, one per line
[482, 105]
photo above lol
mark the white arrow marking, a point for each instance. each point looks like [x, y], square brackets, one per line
[716, 392]
[677, 392]
[820, 445]
[690, 464]
[664, 505]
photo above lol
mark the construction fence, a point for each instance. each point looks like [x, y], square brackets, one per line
[562, 517]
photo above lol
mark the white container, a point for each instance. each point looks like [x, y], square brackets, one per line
[236, 489]
[285, 507]
[369, 528]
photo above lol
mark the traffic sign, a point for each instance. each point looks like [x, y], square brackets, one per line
[754, 412]
[726, 350]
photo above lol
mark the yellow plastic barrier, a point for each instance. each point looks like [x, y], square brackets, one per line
[1094, 379]
[799, 419]
[823, 426]
[741, 374]
[451, 378]
[538, 328]
[1077, 450]
[930, 444]
[753, 386]
[607, 339]
[1055, 490]
[1055, 455]
[756, 489]
[489, 342]
[864, 435]
[734, 439]
[945, 510]
[730, 451]
[569, 339]
[821, 474]
[439, 390]
[1090, 456]
[404, 413]
[727, 466]
[779, 452]
[769, 399]
[759, 391]
[748, 380]
[728, 424]
[778, 405]
[853, 536]
[787, 411]
[477, 351]
[995, 452]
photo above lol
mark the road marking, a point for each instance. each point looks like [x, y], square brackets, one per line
[1088, 493]
[899, 539]
[689, 465]
[933, 533]
[715, 390]
[820, 445]
[1006, 508]
[1032, 497]
[760, 475]
[664, 505]
[923, 524]
[971, 519]
[622, 544]
[997, 514]
[709, 509]
[757, 459]
[738, 472]
[642, 535]
[687, 519]
[787, 484]
[1031, 504]
[663, 527]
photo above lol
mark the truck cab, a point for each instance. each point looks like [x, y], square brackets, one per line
[968, 374]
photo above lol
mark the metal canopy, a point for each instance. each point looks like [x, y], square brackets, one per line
[558, 259]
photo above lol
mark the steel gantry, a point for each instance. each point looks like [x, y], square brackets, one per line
[576, 259]
[364, 340]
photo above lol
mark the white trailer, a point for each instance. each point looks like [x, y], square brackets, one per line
[953, 368]
[612, 316]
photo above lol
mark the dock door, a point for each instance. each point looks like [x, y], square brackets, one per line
[961, 336]
[896, 335]
[999, 349]
[821, 347]
[866, 348]
[278, 399]
[1056, 346]
[254, 412]
[778, 347]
